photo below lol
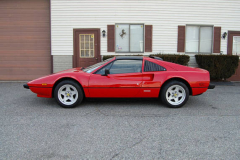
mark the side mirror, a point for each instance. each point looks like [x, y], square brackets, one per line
[106, 72]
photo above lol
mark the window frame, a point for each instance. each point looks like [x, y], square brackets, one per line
[84, 46]
[199, 25]
[232, 46]
[130, 36]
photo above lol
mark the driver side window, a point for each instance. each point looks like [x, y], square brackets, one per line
[102, 70]
[122, 66]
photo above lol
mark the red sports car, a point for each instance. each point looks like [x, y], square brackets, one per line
[124, 77]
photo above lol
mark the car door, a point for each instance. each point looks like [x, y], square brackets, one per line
[124, 80]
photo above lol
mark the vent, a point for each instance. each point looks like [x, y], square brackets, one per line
[150, 67]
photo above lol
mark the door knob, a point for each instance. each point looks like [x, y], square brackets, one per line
[96, 58]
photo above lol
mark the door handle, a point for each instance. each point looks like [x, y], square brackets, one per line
[96, 58]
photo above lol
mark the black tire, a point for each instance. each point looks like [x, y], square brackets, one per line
[75, 89]
[174, 100]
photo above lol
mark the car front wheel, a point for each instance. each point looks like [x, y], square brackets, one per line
[68, 94]
[174, 94]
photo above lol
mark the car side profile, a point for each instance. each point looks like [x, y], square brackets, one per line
[124, 77]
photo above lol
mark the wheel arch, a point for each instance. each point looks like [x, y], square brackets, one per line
[63, 79]
[177, 79]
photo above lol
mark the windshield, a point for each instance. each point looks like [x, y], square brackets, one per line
[95, 66]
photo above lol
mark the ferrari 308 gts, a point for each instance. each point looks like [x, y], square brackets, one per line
[124, 77]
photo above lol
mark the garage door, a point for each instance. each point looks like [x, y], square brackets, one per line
[24, 39]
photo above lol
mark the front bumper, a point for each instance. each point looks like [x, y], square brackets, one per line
[211, 86]
[26, 86]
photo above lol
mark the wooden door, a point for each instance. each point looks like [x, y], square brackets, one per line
[233, 36]
[86, 47]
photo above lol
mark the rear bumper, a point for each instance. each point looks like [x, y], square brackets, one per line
[26, 86]
[211, 86]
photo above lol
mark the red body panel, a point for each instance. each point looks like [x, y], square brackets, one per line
[145, 84]
[42, 92]
[197, 91]
[116, 85]
[44, 83]
[149, 92]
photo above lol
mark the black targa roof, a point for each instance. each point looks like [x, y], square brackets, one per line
[130, 57]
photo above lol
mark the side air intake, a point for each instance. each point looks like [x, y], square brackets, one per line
[150, 67]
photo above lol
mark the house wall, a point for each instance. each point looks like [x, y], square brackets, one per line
[164, 15]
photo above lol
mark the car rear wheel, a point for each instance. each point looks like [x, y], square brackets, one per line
[68, 94]
[174, 94]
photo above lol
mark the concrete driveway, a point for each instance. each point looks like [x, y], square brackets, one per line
[207, 127]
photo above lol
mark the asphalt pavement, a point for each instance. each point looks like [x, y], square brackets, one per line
[207, 127]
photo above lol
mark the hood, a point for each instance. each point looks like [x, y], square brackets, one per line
[70, 70]
[49, 80]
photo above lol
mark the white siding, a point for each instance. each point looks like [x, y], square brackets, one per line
[164, 15]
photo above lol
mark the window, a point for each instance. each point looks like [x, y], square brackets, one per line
[122, 66]
[126, 66]
[102, 70]
[199, 39]
[86, 45]
[129, 38]
[91, 68]
[236, 45]
[150, 67]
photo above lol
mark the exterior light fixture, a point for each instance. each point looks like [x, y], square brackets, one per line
[103, 33]
[224, 35]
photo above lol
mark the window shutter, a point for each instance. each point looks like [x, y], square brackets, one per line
[217, 40]
[111, 38]
[148, 38]
[181, 39]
